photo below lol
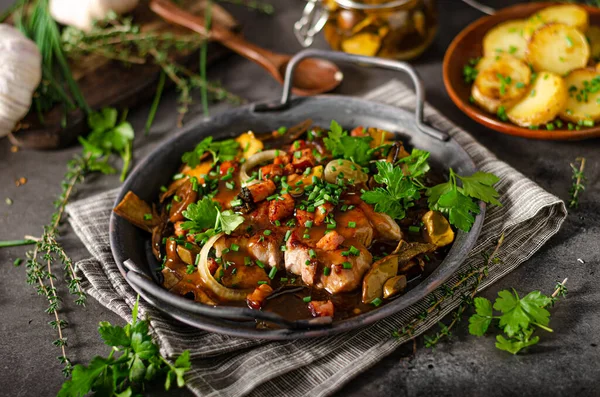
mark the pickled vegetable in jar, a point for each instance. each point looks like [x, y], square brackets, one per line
[396, 29]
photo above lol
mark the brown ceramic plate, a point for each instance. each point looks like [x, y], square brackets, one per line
[468, 44]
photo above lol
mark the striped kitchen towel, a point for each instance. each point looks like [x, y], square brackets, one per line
[230, 367]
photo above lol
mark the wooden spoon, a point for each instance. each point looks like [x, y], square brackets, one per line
[311, 77]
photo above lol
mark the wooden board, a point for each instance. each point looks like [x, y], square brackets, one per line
[110, 83]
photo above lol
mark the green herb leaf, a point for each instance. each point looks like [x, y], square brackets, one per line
[460, 209]
[205, 218]
[341, 145]
[83, 378]
[221, 151]
[514, 346]
[113, 335]
[479, 322]
[416, 163]
[480, 186]
[517, 314]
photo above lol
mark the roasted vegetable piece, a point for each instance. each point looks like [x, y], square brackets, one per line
[331, 241]
[437, 229]
[506, 37]
[544, 101]
[257, 298]
[567, 14]
[188, 255]
[249, 144]
[260, 191]
[558, 48]
[584, 96]
[184, 196]
[281, 207]
[407, 251]
[137, 211]
[394, 286]
[380, 272]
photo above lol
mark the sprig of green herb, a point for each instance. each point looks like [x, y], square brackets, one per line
[519, 317]
[578, 182]
[341, 145]
[205, 219]
[398, 194]
[109, 137]
[225, 150]
[458, 202]
[133, 362]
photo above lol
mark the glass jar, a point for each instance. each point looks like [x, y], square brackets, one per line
[396, 29]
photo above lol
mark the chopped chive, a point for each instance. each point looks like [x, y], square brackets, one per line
[163, 189]
[297, 154]
[307, 299]
[235, 247]
[282, 248]
[312, 253]
[272, 273]
[230, 185]
[267, 232]
[414, 229]
[188, 245]
[178, 176]
[247, 261]
[164, 240]
[260, 264]
[306, 236]
[281, 130]
[347, 265]
[354, 251]
[272, 197]
[307, 262]
[176, 198]
[287, 235]
[262, 282]
[147, 217]
[308, 224]
[283, 279]
[236, 203]
[227, 177]
[277, 222]
[376, 302]
[327, 271]
[352, 225]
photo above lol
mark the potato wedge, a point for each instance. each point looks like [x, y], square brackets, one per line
[583, 96]
[558, 48]
[567, 14]
[544, 101]
[593, 37]
[501, 81]
[508, 38]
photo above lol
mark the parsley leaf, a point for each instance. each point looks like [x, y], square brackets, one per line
[108, 137]
[221, 151]
[416, 163]
[458, 202]
[481, 320]
[134, 360]
[341, 145]
[205, 219]
[398, 194]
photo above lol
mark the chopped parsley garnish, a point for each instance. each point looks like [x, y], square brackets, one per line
[341, 145]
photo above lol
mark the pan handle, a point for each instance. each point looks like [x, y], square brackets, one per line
[359, 59]
[138, 278]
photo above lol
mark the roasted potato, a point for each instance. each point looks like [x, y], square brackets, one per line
[558, 48]
[593, 37]
[583, 96]
[543, 102]
[508, 38]
[501, 81]
[566, 14]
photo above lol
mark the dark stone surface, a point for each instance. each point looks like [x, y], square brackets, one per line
[566, 362]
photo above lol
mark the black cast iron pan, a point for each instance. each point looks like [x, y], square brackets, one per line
[131, 246]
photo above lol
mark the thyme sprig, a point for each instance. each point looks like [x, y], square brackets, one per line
[578, 181]
[120, 39]
[471, 277]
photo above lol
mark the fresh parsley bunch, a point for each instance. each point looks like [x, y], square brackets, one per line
[205, 219]
[458, 202]
[108, 136]
[519, 317]
[341, 145]
[225, 150]
[133, 361]
[398, 194]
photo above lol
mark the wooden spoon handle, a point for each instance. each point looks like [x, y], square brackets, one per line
[265, 58]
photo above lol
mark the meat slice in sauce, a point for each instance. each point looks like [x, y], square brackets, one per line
[259, 246]
[354, 224]
[384, 225]
[343, 279]
[261, 190]
[257, 298]
[184, 196]
[331, 241]
[280, 208]
[298, 261]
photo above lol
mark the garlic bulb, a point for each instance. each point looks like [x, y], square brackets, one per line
[83, 13]
[20, 74]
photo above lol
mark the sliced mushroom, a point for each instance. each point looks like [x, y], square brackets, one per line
[394, 286]
[380, 272]
[438, 230]
[407, 251]
[188, 255]
[138, 212]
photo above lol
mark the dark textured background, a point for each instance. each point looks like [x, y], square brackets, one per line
[566, 362]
